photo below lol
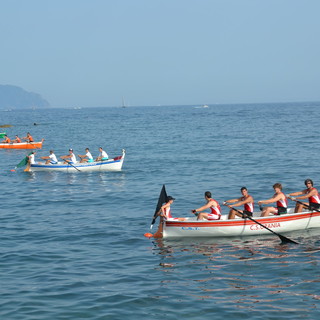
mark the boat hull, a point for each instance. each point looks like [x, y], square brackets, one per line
[190, 227]
[21, 145]
[107, 165]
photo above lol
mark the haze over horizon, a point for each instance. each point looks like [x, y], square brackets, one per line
[178, 52]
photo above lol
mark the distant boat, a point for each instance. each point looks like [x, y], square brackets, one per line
[203, 106]
[123, 103]
[22, 145]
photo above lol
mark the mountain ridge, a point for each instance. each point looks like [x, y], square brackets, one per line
[14, 97]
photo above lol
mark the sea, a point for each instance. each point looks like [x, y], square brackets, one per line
[73, 244]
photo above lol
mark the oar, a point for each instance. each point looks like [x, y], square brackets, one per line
[282, 238]
[162, 199]
[34, 144]
[71, 164]
[24, 162]
[305, 205]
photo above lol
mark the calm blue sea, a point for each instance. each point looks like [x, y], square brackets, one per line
[73, 245]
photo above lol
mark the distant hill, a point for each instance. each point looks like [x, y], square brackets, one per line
[16, 97]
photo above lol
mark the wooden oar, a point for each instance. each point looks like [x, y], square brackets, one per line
[282, 238]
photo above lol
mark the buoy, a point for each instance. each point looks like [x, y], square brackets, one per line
[148, 235]
[166, 265]
[12, 170]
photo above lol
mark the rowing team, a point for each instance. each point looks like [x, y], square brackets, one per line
[70, 158]
[28, 138]
[279, 198]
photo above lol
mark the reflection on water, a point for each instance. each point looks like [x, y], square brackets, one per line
[106, 180]
[109, 180]
[260, 272]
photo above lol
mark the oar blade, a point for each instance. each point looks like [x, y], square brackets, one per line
[282, 238]
[285, 240]
[24, 161]
[162, 199]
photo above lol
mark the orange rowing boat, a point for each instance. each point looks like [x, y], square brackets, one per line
[22, 145]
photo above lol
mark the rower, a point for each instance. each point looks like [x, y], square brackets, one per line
[51, 158]
[86, 157]
[28, 138]
[103, 155]
[281, 201]
[246, 200]
[16, 140]
[212, 205]
[310, 193]
[6, 139]
[70, 156]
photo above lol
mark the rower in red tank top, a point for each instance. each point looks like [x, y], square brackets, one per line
[17, 139]
[310, 193]
[246, 201]
[28, 138]
[279, 198]
[6, 139]
[212, 205]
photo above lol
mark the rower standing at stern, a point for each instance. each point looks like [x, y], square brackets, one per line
[213, 205]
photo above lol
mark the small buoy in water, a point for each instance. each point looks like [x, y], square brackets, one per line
[148, 235]
[166, 265]
[12, 170]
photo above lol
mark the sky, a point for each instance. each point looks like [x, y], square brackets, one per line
[90, 53]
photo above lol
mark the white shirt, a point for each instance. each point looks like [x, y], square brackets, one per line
[53, 157]
[104, 154]
[73, 158]
[31, 159]
[89, 155]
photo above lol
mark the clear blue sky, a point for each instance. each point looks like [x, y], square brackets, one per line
[162, 52]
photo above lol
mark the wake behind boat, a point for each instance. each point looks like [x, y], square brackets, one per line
[114, 164]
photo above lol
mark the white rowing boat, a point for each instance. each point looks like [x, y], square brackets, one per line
[114, 164]
[250, 226]
[191, 227]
